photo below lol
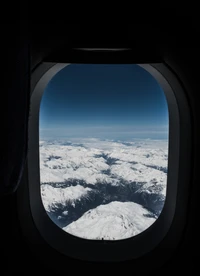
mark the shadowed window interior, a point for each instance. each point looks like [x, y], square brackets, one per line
[103, 150]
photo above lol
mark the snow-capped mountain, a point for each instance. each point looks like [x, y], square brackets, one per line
[82, 175]
[116, 220]
[104, 161]
[52, 197]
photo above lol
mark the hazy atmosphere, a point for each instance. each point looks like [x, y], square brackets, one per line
[104, 101]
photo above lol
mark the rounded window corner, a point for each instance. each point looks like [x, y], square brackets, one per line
[154, 235]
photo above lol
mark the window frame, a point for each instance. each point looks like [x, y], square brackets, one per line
[177, 185]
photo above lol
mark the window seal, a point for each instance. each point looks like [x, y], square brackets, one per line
[179, 142]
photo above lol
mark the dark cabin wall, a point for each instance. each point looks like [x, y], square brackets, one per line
[15, 250]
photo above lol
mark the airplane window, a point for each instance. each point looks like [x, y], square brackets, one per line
[103, 131]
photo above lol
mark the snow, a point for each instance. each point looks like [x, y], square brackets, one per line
[99, 162]
[52, 196]
[116, 220]
[59, 163]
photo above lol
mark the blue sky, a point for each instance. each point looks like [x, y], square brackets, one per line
[104, 101]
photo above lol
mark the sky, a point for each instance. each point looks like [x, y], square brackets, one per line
[106, 101]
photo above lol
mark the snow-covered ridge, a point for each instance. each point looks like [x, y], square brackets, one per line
[51, 196]
[97, 189]
[104, 161]
[116, 220]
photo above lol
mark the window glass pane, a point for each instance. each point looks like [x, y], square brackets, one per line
[103, 150]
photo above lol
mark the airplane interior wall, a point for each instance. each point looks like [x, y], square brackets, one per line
[17, 253]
